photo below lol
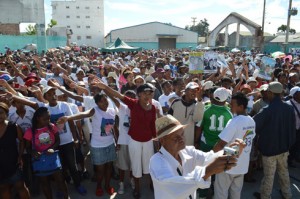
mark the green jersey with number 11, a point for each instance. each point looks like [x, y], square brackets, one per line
[214, 120]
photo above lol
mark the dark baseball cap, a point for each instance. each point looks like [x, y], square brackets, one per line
[145, 87]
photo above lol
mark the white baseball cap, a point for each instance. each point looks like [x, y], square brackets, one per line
[167, 67]
[208, 85]
[221, 94]
[136, 70]
[192, 85]
[294, 90]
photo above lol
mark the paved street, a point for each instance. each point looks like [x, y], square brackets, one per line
[247, 193]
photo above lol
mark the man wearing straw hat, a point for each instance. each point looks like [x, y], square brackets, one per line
[178, 170]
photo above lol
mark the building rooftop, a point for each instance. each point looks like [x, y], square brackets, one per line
[292, 38]
[150, 23]
[247, 33]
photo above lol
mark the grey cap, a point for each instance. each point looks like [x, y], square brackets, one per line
[275, 87]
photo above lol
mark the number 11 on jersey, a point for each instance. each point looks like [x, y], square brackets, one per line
[213, 123]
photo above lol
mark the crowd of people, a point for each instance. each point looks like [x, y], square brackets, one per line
[143, 113]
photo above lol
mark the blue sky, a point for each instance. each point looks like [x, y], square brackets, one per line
[122, 13]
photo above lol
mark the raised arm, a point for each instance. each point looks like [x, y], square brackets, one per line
[38, 66]
[78, 116]
[53, 83]
[109, 91]
[22, 100]
[17, 71]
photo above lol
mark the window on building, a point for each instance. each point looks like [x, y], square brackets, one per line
[78, 17]
[77, 7]
[53, 7]
[88, 26]
[89, 37]
[78, 37]
[67, 7]
[87, 17]
[87, 7]
[68, 26]
[78, 26]
[98, 7]
[68, 16]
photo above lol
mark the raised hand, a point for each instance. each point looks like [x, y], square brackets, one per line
[53, 83]
[62, 120]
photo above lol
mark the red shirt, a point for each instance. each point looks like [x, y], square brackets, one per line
[142, 122]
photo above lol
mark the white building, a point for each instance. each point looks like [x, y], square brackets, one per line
[84, 17]
[154, 35]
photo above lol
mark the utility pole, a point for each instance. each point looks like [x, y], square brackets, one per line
[288, 27]
[263, 28]
[194, 20]
[263, 18]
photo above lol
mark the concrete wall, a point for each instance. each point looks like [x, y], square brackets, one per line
[150, 32]
[273, 47]
[84, 17]
[18, 42]
[19, 11]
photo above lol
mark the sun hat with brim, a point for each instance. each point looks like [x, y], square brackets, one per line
[294, 90]
[166, 125]
[47, 89]
[275, 87]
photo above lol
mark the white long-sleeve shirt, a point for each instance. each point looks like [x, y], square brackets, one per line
[167, 181]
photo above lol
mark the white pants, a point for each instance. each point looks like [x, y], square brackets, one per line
[228, 185]
[140, 154]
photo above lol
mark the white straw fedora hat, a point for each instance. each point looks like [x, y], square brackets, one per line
[166, 125]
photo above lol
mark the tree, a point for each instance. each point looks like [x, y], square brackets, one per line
[283, 28]
[201, 28]
[31, 30]
[52, 23]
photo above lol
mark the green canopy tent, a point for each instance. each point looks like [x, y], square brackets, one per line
[120, 46]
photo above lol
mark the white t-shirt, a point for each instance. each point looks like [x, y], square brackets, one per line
[164, 100]
[242, 127]
[56, 112]
[89, 103]
[157, 106]
[124, 121]
[24, 122]
[173, 95]
[102, 127]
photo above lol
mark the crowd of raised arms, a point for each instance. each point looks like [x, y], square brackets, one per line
[63, 106]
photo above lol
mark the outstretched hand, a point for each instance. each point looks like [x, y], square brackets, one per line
[62, 120]
[220, 164]
[240, 144]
